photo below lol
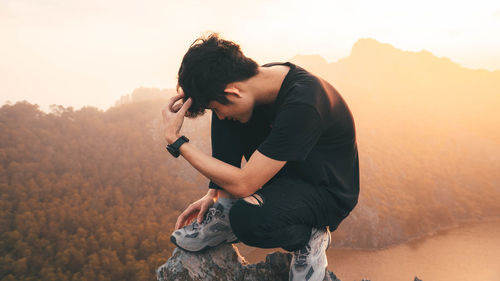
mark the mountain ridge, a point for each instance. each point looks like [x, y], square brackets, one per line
[361, 45]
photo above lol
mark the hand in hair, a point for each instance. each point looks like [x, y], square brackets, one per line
[173, 117]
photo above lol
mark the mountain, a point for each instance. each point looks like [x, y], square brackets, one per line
[393, 81]
[429, 140]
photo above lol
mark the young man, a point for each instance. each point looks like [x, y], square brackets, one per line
[297, 134]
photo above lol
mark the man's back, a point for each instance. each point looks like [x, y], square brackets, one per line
[311, 127]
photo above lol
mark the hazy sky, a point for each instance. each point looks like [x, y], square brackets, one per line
[91, 52]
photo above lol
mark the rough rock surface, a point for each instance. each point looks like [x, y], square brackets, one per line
[225, 263]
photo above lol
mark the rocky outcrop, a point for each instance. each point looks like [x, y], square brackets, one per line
[225, 263]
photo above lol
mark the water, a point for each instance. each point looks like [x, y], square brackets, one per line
[468, 252]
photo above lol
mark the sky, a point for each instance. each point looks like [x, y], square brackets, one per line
[78, 53]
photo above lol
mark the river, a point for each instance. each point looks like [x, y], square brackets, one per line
[468, 252]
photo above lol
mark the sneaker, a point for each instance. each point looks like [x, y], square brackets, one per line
[212, 231]
[310, 262]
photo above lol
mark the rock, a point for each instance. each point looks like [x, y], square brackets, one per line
[225, 263]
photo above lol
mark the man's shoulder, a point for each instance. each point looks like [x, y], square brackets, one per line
[306, 93]
[315, 92]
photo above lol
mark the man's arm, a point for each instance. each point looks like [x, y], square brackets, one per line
[240, 182]
[296, 130]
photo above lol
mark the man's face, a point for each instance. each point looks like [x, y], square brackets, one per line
[240, 109]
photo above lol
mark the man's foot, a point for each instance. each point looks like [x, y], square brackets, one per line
[310, 262]
[212, 231]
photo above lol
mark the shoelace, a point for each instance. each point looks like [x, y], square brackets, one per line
[211, 213]
[301, 255]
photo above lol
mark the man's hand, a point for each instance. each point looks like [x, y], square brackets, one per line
[173, 117]
[196, 209]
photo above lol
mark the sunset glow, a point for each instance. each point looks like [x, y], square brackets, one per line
[79, 53]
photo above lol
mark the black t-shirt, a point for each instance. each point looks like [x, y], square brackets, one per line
[310, 126]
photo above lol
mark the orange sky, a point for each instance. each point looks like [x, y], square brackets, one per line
[79, 53]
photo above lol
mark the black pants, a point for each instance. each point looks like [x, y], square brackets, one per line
[284, 219]
[290, 207]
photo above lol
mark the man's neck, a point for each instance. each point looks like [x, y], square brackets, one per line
[267, 83]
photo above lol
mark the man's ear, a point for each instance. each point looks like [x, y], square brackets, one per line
[232, 90]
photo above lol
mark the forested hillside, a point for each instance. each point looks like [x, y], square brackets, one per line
[90, 195]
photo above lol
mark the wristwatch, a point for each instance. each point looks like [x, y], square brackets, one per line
[174, 147]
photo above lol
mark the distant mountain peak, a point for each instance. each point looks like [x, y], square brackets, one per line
[366, 51]
[364, 44]
[369, 48]
[372, 50]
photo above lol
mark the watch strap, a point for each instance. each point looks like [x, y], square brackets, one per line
[174, 147]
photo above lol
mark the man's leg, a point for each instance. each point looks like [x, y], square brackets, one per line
[280, 214]
[231, 138]
[286, 213]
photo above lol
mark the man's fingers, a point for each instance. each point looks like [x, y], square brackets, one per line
[172, 101]
[187, 220]
[179, 221]
[185, 106]
[182, 217]
[201, 213]
[190, 218]
[176, 108]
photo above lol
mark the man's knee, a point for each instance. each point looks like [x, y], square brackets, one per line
[246, 212]
[246, 221]
[241, 214]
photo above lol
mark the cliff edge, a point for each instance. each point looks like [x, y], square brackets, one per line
[225, 263]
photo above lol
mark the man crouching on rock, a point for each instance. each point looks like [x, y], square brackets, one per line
[297, 134]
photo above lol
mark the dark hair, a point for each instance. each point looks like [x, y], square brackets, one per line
[207, 67]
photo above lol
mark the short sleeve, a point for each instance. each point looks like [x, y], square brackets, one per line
[296, 129]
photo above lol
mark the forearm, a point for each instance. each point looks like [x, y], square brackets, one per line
[227, 176]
